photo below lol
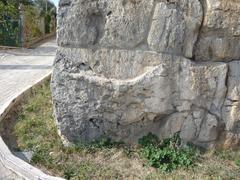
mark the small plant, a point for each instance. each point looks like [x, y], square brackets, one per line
[237, 162]
[97, 145]
[104, 143]
[70, 172]
[36, 131]
[168, 154]
[148, 140]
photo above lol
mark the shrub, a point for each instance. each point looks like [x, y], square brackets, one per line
[47, 22]
[168, 154]
[9, 28]
[97, 145]
[32, 20]
[237, 162]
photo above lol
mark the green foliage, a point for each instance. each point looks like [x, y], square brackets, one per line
[38, 19]
[104, 159]
[36, 13]
[70, 172]
[237, 162]
[32, 23]
[98, 145]
[168, 154]
[9, 28]
[42, 155]
[148, 140]
[44, 5]
[36, 131]
[26, 2]
[104, 143]
[8, 11]
[17, 2]
[47, 22]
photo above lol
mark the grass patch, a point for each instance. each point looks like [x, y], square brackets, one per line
[168, 154]
[35, 131]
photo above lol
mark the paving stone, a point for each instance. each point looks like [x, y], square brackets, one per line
[19, 69]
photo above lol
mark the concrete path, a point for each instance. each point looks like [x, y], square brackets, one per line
[6, 174]
[19, 69]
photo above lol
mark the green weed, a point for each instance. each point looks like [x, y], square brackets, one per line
[105, 159]
[168, 154]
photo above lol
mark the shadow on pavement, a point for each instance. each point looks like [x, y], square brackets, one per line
[24, 67]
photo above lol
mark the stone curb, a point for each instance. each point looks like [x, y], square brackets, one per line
[11, 162]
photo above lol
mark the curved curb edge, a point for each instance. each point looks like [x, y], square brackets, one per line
[11, 162]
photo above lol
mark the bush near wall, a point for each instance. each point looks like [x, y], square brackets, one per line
[32, 25]
[36, 23]
[48, 11]
[39, 20]
[9, 25]
[47, 22]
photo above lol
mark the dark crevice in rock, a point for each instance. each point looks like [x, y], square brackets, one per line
[84, 67]
[162, 118]
[227, 88]
[236, 127]
[199, 32]
[94, 122]
[109, 13]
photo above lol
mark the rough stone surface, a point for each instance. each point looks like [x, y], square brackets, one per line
[219, 38]
[232, 103]
[109, 23]
[144, 89]
[127, 22]
[122, 70]
[175, 26]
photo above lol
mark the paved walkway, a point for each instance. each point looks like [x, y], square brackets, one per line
[6, 174]
[19, 69]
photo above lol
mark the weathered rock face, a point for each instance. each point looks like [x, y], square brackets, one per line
[219, 38]
[231, 109]
[175, 25]
[122, 71]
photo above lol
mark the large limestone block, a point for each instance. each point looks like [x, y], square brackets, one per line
[121, 70]
[231, 109]
[219, 38]
[78, 26]
[92, 101]
[127, 22]
[175, 26]
[201, 127]
[145, 92]
[110, 23]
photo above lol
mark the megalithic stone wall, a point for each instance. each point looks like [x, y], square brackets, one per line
[125, 68]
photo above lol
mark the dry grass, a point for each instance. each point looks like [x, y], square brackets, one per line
[35, 131]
